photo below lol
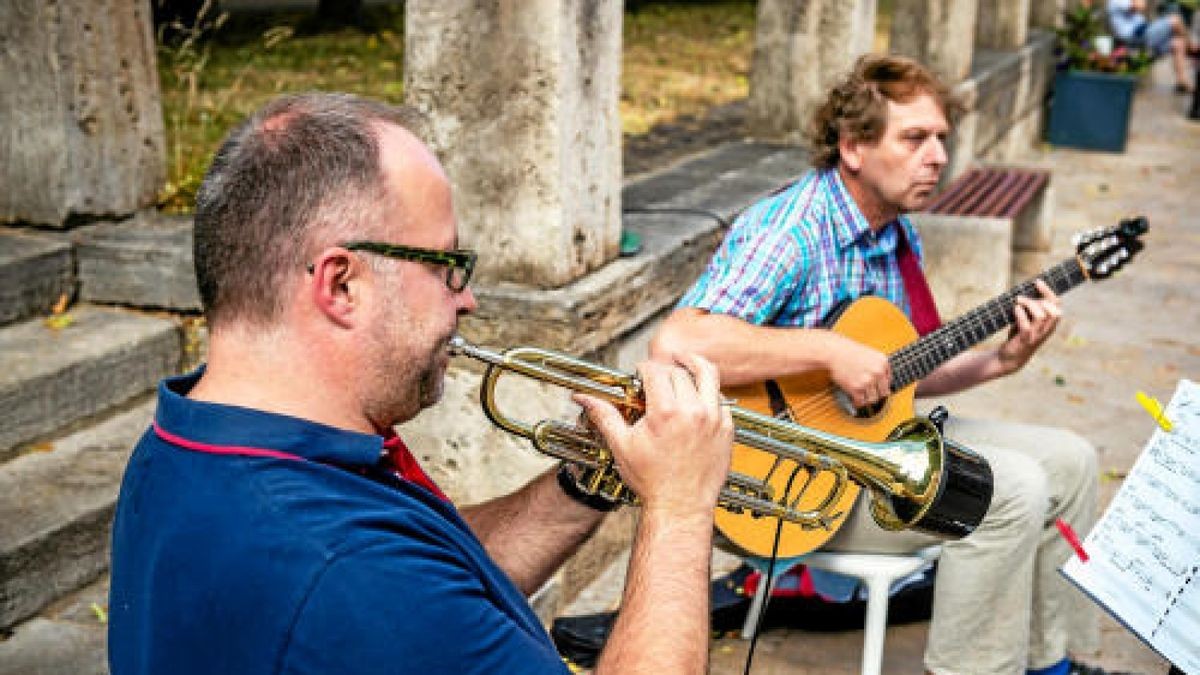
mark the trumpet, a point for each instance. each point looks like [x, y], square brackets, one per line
[917, 479]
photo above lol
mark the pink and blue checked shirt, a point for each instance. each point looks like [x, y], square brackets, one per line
[793, 257]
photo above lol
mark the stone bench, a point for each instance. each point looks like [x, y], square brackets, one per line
[986, 227]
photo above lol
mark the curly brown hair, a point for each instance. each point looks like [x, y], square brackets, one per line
[857, 105]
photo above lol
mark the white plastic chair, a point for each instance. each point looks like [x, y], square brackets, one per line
[878, 571]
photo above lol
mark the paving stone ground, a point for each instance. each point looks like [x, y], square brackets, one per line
[1136, 331]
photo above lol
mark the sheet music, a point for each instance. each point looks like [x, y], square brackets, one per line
[1144, 552]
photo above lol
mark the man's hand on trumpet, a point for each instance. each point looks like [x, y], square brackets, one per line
[676, 456]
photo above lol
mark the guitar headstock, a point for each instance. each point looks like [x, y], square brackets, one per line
[1103, 251]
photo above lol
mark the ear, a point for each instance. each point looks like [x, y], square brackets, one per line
[337, 286]
[850, 153]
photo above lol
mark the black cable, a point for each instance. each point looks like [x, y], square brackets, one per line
[762, 611]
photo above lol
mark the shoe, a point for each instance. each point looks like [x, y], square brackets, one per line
[1183, 89]
[1076, 668]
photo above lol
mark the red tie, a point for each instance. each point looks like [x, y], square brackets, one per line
[922, 309]
[407, 467]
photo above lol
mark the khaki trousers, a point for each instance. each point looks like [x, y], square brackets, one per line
[1000, 605]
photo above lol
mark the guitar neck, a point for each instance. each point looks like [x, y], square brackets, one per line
[916, 360]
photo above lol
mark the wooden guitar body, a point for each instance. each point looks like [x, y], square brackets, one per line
[871, 321]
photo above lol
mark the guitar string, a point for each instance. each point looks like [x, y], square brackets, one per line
[909, 362]
[962, 333]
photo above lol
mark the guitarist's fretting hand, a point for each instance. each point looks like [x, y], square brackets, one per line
[863, 373]
[1036, 319]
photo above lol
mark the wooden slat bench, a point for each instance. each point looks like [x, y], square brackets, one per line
[986, 227]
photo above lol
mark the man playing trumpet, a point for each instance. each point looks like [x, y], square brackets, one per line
[272, 522]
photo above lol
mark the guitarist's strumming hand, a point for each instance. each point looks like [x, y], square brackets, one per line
[1036, 319]
[863, 373]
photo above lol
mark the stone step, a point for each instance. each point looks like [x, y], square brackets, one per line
[142, 262]
[50, 378]
[34, 272]
[68, 637]
[56, 509]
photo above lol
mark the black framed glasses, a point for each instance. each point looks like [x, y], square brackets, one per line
[459, 263]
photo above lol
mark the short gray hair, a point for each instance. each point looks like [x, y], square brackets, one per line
[303, 163]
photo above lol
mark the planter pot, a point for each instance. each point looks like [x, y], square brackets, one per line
[1091, 110]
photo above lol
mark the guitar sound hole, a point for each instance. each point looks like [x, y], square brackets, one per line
[848, 407]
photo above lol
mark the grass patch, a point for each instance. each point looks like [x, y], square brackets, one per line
[680, 59]
[214, 77]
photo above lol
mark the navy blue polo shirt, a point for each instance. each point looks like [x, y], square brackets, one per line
[250, 542]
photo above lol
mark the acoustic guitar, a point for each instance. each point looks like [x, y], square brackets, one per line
[812, 400]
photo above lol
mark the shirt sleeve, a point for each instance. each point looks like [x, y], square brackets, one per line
[411, 607]
[752, 274]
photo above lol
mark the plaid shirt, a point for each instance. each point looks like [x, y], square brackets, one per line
[793, 257]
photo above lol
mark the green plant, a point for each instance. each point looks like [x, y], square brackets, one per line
[1077, 47]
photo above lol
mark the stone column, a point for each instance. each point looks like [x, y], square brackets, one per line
[522, 103]
[1047, 14]
[800, 47]
[1002, 24]
[938, 33]
[81, 131]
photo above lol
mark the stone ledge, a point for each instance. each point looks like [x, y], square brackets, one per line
[589, 313]
[34, 272]
[144, 262]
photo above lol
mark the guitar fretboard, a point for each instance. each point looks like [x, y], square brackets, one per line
[914, 361]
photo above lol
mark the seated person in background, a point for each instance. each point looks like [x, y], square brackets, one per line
[272, 522]
[838, 233]
[1168, 33]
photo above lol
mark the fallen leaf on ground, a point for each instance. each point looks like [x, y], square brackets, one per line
[58, 321]
[1113, 474]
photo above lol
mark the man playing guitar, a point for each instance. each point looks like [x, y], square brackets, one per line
[839, 233]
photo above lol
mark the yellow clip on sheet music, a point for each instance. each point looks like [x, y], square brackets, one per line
[1155, 409]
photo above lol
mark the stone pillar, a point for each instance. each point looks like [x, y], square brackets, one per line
[1002, 24]
[800, 47]
[1047, 14]
[522, 102]
[938, 33]
[81, 131]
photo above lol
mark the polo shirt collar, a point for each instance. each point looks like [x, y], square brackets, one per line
[849, 223]
[231, 426]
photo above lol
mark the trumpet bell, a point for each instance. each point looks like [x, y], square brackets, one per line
[956, 500]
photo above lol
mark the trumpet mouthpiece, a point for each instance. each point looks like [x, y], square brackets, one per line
[458, 345]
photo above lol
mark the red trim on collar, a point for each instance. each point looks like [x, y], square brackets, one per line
[408, 467]
[221, 449]
[403, 463]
